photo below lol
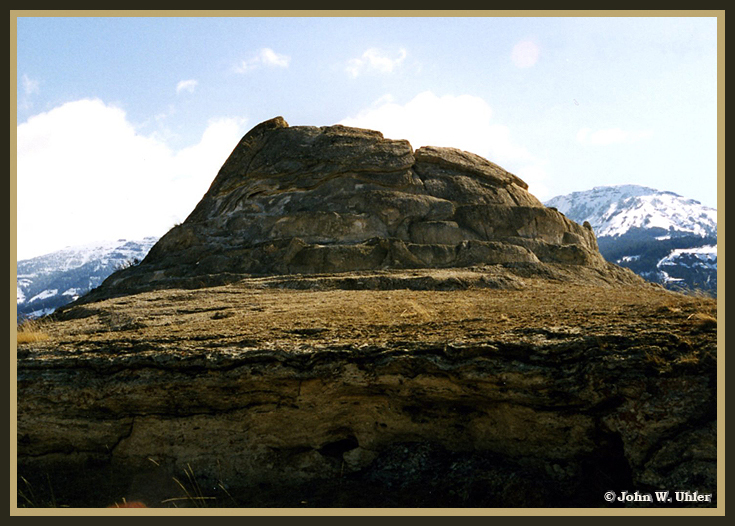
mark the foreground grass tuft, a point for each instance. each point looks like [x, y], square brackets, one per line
[31, 331]
[703, 320]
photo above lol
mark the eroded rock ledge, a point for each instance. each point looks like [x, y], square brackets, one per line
[373, 398]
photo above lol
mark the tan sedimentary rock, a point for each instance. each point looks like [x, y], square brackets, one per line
[310, 200]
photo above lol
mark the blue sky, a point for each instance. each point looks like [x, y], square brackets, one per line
[124, 122]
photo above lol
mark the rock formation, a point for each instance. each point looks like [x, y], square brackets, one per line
[548, 395]
[306, 200]
[346, 322]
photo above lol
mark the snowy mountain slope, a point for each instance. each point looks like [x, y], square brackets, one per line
[704, 256]
[690, 267]
[47, 282]
[662, 236]
[615, 210]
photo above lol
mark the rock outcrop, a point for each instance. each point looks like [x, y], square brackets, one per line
[252, 395]
[306, 200]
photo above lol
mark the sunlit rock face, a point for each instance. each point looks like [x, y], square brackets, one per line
[306, 200]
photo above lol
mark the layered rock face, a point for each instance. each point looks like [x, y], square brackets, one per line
[304, 200]
[549, 395]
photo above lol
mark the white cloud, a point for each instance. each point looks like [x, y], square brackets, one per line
[462, 121]
[265, 57]
[534, 174]
[525, 54]
[271, 58]
[374, 60]
[186, 85]
[85, 174]
[611, 136]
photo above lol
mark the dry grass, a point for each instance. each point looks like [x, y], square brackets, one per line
[29, 499]
[656, 358]
[241, 316]
[414, 309]
[691, 358]
[669, 309]
[703, 320]
[31, 331]
[195, 496]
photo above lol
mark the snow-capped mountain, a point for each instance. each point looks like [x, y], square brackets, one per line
[614, 210]
[45, 283]
[662, 236]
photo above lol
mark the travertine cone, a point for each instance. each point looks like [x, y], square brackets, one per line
[305, 200]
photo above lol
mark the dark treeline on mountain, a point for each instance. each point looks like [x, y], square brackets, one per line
[80, 279]
[644, 252]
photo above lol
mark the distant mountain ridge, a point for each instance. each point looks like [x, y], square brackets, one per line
[662, 236]
[614, 210]
[47, 282]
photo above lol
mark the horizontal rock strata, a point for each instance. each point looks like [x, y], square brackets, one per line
[385, 398]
